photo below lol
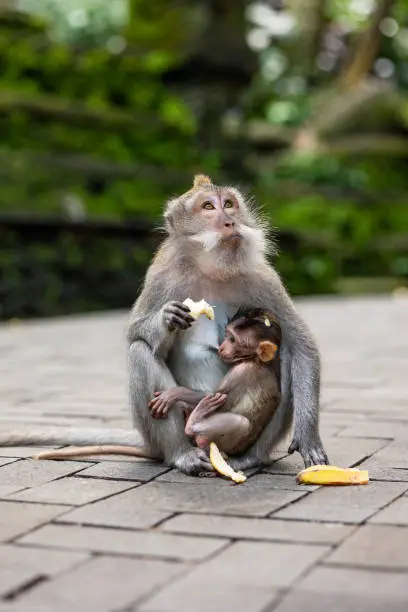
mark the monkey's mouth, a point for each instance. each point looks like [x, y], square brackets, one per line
[235, 237]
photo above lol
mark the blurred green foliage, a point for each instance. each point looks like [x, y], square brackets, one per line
[108, 109]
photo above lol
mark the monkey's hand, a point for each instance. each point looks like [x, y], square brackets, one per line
[193, 462]
[177, 316]
[311, 450]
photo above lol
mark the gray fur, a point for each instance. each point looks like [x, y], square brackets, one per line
[165, 357]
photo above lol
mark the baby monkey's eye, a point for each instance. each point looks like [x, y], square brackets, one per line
[208, 205]
[228, 204]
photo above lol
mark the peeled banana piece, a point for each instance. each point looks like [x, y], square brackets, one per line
[332, 475]
[218, 462]
[199, 308]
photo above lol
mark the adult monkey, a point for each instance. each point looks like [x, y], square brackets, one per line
[216, 250]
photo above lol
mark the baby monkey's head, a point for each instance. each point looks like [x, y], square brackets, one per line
[251, 334]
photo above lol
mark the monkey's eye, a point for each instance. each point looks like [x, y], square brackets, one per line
[208, 205]
[228, 204]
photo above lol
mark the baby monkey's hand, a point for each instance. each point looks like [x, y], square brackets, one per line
[161, 403]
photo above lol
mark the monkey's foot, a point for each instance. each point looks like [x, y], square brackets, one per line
[193, 462]
[312, 453]
[246, 462]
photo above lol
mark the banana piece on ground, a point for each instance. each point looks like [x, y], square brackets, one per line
[220, 465]
[332, 475]
[199, 308]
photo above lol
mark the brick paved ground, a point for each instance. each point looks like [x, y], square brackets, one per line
[128, 535]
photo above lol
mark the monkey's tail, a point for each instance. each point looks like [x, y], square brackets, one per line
[63, 436]
[91, 441]
[85, 451]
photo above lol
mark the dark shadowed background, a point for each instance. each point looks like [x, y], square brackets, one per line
[109, 108]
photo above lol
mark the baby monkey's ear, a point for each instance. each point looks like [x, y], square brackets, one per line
[266, 350]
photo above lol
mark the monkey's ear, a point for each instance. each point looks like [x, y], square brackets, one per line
[201, 180]
[266, 350]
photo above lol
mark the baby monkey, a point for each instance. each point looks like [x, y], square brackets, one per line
[247, 396]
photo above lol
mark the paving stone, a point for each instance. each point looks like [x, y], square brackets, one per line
[14, 606]
[207, 478]
[74, 491]
[305, 601]
[17, 518]
[380, 429]
[340, 419]
[114, 512]
[379, 546]
[257, 529]
[394, 514]
[393, 455]
[375, 406]
[30, 473]
[387, 587]
[275, 481]
[5, 461]
[21, 566]
[124, 581]
[14, 578]
[257, 565]
[50, 562]
[279, 481]
[378, 471]
[192, 595]
[6, 490]
[240, 500]
[141, 471]
[352, 504]
[149, 543]
[345, 452]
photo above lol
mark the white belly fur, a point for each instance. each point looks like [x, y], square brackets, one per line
[193, 363]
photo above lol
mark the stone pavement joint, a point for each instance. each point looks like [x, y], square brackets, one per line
[121, 535]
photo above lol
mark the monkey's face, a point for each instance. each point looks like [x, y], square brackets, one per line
[238, 345]
[215, 218]
[251, 334]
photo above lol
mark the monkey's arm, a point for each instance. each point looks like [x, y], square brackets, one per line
[305, 376]
[156, 315]
[162, 401]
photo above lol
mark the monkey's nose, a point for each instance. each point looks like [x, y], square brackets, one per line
[229, 224]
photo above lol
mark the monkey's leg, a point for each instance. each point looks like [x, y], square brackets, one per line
[229, 431]
[165, 437]
[204, 408]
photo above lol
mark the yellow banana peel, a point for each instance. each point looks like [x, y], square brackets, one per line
[220, 465]
[332, 475]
